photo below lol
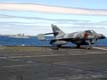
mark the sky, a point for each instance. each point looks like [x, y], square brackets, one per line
[33, 17]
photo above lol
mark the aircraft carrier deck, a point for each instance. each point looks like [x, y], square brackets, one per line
[44, 63]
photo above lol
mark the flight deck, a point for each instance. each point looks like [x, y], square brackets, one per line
[45, 63]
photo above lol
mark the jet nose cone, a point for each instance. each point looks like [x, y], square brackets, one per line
[101, 36]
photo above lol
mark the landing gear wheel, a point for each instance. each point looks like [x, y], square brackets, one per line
[55, 48]
[78, 46]
[89, 45]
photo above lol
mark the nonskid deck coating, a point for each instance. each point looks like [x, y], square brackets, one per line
[44, 63]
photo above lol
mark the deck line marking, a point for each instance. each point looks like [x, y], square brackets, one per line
[17, 65]
[51, 55]
[100, 48]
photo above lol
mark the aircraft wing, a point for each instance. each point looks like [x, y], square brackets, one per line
[41, 37]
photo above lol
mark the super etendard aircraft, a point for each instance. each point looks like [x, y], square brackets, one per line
[87, 37]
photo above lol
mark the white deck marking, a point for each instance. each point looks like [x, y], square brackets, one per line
[55, 55]
[17, 65]
[100, 48]
[51, 55]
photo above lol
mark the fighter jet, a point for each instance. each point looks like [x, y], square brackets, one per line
[87, 37]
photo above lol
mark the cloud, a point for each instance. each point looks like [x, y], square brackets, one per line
[42, 18]
[51, 9]
[47, 21]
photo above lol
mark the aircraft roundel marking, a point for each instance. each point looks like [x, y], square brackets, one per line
[85, 35]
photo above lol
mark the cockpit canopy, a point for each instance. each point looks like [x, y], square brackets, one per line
[90, 31]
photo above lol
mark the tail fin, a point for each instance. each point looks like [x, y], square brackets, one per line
[57, 32]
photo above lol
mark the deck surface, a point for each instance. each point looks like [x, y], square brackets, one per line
[44, 63]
